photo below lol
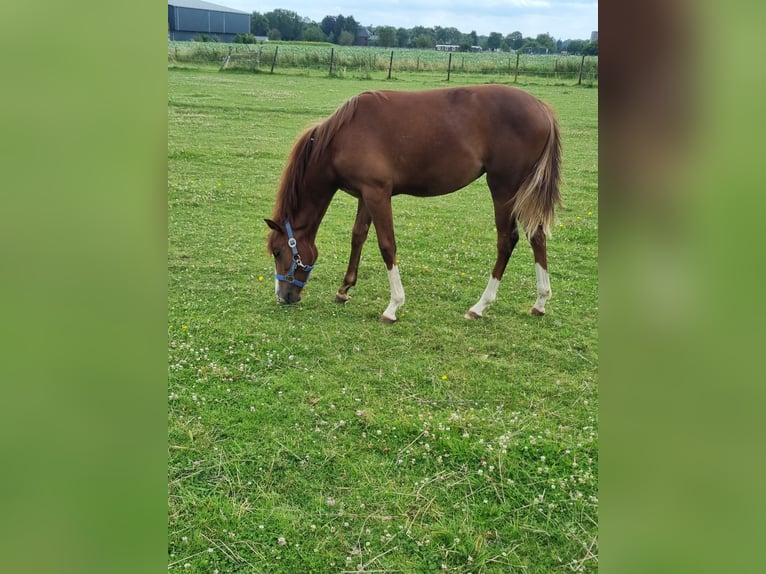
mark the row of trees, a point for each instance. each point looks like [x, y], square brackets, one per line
[344, 30]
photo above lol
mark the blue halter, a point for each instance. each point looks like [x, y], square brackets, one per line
[297, 263]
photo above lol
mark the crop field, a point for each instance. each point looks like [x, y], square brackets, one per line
[362, 62]
[312, 438]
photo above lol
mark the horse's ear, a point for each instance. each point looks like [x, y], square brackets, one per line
[273, 225]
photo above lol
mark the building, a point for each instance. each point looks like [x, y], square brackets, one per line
[594, 36]
[189, 19]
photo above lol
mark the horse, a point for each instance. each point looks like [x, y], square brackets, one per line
[422, 143]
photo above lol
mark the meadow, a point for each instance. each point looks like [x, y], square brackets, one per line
[362, 62]
[312, 438]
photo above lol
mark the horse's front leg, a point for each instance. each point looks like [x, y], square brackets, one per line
[379, 205]
[358, 237]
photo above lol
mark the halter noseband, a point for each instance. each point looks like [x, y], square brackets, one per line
[296, 263]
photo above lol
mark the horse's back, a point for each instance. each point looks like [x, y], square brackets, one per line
[436, 141]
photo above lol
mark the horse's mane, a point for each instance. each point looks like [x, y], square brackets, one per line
[309, 147]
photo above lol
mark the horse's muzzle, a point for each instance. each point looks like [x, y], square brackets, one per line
[288, 295]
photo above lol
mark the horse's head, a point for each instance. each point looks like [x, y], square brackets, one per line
[294, 258]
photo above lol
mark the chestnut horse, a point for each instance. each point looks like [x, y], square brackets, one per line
[427, 143]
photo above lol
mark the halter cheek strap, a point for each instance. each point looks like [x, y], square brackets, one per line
[296, 263]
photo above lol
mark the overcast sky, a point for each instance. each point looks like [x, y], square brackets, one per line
[562, 19]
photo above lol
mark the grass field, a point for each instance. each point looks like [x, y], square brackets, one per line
[312, 438]
[361, 61]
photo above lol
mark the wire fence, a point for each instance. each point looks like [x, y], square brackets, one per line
[363, 62]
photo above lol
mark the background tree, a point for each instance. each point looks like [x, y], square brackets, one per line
[289, 24]
[531, 46]
[328, 27]
[591, 48]
[447, 35]
[334, 26]
[494, 40]
[313, 33]
[515, 40]
[402, 37]
[576, 46]
[424, 41]
[386, 36]
[259, 24]
[547, 42]
[346, 38]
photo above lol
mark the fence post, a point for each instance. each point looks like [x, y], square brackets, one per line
[449, 66]
[332, 59]
[516, 77]
[390, 64]
[274, 61]
[582, 63]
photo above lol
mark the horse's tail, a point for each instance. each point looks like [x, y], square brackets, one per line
[535, 202]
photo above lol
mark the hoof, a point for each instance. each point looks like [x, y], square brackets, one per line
[388, 320]
[537, 312]
[341, 298]
[472, 315]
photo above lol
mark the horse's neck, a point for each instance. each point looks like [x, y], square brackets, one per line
[312, 208]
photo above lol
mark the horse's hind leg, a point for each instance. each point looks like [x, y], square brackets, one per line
[358, 237]
[507, 237]
[541, 272]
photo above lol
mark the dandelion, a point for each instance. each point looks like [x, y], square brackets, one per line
[590, 213]
[185, 327]
[260, 277]
[444, 377]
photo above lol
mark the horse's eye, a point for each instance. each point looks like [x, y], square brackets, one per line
[276, 254]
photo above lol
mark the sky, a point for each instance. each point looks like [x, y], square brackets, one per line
[562, 19]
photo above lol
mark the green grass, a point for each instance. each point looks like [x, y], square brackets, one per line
[434, 444]
[356, 60]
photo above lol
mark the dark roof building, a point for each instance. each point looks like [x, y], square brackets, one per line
[188, 19]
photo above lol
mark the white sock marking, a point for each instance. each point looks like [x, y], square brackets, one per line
[397, 293]
[543, 287]
[487, 298]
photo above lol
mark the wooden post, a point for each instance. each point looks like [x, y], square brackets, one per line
[332, 58]
[390, 64]
[274, 61]
[582, 63]
[516, 77]
[417, 64]
[449, 66]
